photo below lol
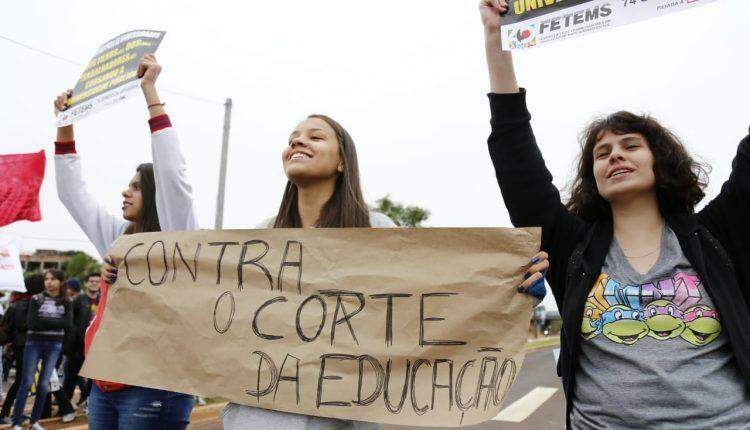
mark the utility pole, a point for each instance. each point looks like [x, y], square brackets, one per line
[219, 222]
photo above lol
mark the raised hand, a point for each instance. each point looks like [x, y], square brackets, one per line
[148, 70]
[65, 133]
[491, 11]
[61, 102]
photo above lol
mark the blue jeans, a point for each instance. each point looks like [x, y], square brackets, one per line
[138, 408]
[48, 351]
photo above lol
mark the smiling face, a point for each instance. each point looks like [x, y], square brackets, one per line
[591, 324]
[623, 325]
[132, 200]
[92, 284]
[663, 319]
[313, 153]
[623, 166]
[702, 325]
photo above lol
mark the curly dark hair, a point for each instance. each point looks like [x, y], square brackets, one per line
[680, 180]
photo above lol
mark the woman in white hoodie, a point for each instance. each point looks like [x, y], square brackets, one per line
[158, 198]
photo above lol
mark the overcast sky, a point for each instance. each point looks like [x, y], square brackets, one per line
[406, 78]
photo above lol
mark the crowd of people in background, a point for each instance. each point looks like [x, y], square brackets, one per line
[42, 334]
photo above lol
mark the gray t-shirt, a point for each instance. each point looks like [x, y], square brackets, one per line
[653, 354]
[240, 417]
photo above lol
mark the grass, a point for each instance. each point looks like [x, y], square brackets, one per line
[542, 343]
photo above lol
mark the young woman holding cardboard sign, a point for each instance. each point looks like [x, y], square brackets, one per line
[158, 198]
[323, 190]
[640, 277]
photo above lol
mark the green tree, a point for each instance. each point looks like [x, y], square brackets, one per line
[80, 265]
[403, 216]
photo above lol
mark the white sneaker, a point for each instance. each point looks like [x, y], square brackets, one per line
[36, 426]
[67, 418]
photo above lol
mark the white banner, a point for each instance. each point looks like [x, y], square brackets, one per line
[532, 23]
[11, 272]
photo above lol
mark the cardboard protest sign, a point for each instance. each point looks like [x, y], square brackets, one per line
[11, 271]
[21, 177]
[110, 76]
[406, 326]
[532, 23]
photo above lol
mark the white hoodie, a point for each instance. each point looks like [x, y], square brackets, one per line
[174, 200]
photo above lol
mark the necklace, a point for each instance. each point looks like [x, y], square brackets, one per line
[640, 256]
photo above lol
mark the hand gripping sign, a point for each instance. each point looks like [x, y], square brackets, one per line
[405, 326]
[532, 23]
[110, 76]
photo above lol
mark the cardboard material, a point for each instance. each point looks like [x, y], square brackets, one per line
[404, 326]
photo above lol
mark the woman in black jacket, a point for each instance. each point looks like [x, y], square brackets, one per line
[49, 316]
[14, 324]
[653, 295]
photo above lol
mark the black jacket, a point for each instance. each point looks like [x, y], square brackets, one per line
[74, 342]
[714, 240]
[14, 321]
[42, 327]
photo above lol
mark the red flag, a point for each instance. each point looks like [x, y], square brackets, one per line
[21, 177]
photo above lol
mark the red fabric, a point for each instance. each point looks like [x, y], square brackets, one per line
[21, 176]
[159, 123]
[91, 333]
[16, 296]
[62, 148]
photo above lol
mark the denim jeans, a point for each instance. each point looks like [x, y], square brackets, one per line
[138, 408]
[48, 351]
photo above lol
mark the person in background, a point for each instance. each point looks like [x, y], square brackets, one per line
[49, 316]
[65, 408]
[74, 287]
[14, 324]
[84, 309]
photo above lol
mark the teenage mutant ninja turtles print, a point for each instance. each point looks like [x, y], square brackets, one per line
[664, 309]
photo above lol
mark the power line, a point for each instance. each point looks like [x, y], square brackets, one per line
[40, 51]
[49, 54]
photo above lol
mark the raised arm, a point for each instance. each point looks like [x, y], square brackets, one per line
[525, 182]
[499, 62]
[174, 194]
[726, 215]
[100, 226]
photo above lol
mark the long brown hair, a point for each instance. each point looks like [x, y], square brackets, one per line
[680, 180]
[148, 219]
[346, 207]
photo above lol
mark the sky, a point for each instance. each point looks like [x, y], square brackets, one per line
[407, 79]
